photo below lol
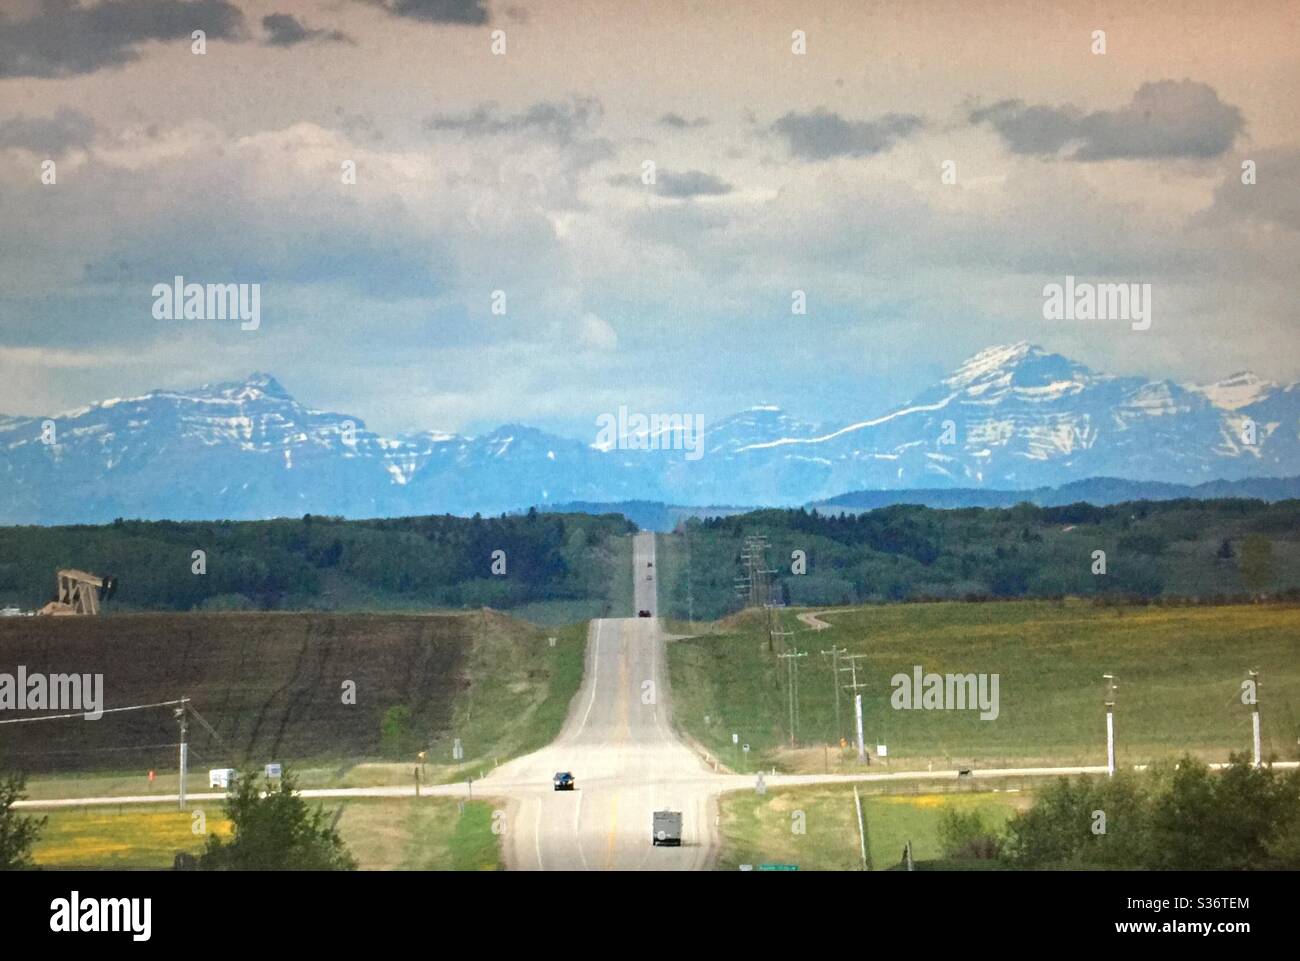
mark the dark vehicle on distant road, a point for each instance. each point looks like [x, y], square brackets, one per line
[666, 829]
[643, 613]
[564, 781]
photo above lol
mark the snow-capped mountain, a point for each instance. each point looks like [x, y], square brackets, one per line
[1011, 417]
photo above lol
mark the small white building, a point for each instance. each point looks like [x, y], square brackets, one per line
[222, 777]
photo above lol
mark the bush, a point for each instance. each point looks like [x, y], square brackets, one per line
[1179, 817]
[274, 830]
[964, 836]
[17, 832]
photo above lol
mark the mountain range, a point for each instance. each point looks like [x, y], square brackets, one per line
[1013, 417]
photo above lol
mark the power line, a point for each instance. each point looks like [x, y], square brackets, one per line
[835, 653]
[86, 714]
[208, 727]
[792, 658]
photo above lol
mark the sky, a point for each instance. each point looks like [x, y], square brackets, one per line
[920, 171]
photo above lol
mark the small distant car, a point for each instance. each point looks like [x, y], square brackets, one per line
[564, 781]
[649, 563]
[643, 613]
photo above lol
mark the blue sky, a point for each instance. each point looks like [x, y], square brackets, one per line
[522, 172]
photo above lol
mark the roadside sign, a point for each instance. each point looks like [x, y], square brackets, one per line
[778, 867]
[457, 751]
[882, 751]
[274, 770]
[735, 739]
[745, 749]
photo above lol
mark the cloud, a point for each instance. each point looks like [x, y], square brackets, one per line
[822, 135]
[63, 38]
[1030, 130]
[285, 30]
[678, 186]
[596, 333]
[678, 122]
[1272, 199]
[51, 136]
[435, 11]
[557, 121]
[1165, 119]
[691, 183]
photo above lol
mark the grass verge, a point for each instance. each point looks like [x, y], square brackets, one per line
[1179, 672]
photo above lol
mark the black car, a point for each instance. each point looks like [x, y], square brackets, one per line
[642, 613]
[564, 781]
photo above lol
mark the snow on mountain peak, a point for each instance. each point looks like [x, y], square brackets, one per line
[1023, 368]
[1239, 390]
[991, 360]
[255, 386]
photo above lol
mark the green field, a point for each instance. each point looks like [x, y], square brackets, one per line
[1178, 668]
[428, 834]
[269, 684]
[762, 829]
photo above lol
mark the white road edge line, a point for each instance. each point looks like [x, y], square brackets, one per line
[595, 674]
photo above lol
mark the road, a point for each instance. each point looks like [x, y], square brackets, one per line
[619, 744]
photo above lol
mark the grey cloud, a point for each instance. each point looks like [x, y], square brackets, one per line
[53, 136]
[435, 11]
[63, 38]
[678, 122]
[822, 135]
[691, 183]
[1030, 130]
[678, 186]
[553, 120]
[1167, 118]
[285, 30]
[1271, 199]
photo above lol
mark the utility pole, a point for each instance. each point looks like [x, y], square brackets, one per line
[855, 687]
[754, 582]
[1254, 717]
[835, 653]
[792, 658]
[1111, 688]
[185, 748]
[863, 844]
